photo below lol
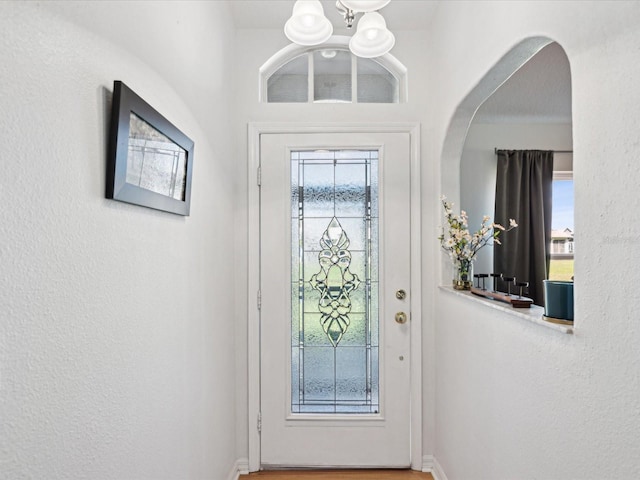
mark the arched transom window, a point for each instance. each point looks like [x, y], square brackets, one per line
[330, 73]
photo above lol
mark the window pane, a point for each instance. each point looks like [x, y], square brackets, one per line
[332, 76]
[289, 83]
[375, 83]
[562, 243]
[334, 301]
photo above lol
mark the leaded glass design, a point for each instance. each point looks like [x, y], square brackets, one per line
[334, 265]
[334, 281]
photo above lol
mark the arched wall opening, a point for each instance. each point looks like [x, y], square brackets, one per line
[507, 120]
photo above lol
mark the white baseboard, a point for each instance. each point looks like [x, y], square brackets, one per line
[427, 463]
[430, 464]
[241, 467]
[438, 472]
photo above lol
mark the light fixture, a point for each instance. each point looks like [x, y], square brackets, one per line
[364, 5]
[308, 26]
[372, 38]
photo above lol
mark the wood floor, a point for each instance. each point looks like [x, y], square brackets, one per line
[338, 475]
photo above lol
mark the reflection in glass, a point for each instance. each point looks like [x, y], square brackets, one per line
[154, 162]
[289, 82]
[334, 330]
[376, 84]
[332, 76]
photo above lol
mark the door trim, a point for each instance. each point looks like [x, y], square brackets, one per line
[254, 130]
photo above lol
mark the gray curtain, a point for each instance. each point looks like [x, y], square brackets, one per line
[524, 192]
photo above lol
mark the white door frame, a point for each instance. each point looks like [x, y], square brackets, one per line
[253, 270]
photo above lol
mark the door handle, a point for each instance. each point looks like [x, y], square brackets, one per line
[401, 317]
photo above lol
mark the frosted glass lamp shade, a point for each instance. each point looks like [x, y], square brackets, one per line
[364, 5]
[308, 25]
[372, 39]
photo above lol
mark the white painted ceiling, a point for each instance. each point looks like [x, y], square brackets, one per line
[539, 92]
[399, 14]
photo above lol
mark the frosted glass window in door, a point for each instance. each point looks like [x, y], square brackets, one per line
[334, 284]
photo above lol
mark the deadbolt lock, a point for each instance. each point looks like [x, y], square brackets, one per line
[401, 317]
[401, 294]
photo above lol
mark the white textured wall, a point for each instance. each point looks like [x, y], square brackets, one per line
[515, 400]
[478, 167]
[116, 330]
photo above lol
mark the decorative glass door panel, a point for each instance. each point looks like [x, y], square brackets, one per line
[334, 308]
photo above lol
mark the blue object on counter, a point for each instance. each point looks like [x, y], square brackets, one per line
[558, 299]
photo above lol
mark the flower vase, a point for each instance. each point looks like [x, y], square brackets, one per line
[462, 274]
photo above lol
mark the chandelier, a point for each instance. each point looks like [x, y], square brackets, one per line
[308, 26]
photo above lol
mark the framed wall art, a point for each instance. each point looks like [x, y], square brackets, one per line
[150, 161]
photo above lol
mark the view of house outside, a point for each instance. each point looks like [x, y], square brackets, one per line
[562, 230]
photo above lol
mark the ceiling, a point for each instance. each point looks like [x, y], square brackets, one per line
[538, 92]
[399, 14]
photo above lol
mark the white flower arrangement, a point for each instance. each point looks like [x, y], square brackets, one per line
[459, 243]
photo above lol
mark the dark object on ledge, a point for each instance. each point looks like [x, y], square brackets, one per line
[522, 286]
[495, 277]
[481, 276]
[509, 281]
[558, 301]
[516, 301]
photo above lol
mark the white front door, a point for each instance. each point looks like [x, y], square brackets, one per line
[335, 293]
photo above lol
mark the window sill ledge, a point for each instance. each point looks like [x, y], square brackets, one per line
[533, 314]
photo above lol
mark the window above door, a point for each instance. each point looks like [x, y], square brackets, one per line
[331, 74]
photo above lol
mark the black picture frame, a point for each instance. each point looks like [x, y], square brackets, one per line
[150, 161]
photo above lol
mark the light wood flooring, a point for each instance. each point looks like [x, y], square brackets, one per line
[338, 475]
